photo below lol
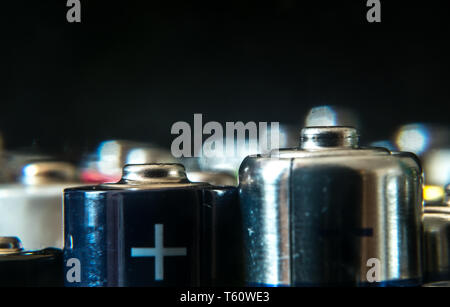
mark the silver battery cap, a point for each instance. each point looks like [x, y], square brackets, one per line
[328, 137]
[152, 175]
[156, 172]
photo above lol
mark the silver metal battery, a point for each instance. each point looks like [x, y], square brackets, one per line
[436, 221]
[32, 208]
[19, 267]
[332, 213]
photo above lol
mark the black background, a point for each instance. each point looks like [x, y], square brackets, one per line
[131, 69]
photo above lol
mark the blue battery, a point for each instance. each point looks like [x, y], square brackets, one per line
[152, 228]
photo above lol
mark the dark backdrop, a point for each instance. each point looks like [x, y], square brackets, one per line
[132, 68]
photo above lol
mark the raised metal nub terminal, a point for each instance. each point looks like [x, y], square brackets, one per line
[153, 173]
[10, 245]
[42, 172]
[328, 137]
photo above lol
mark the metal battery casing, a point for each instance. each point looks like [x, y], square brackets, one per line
[320, 214]
[21, 268]
[436, 221]
[153, 228]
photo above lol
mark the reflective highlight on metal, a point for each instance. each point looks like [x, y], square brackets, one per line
[214, 178]
[315, 215]
[153, 228]
[329, 137]
[433, 195]
[385, 144]
[436, 221]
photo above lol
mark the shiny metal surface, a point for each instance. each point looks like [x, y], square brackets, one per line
[10, 245]
[315, 215]
[152, 176]
[153, 173]
[265, 205]
[436, 221]
[105, 223]
[22, 268]
[214, 178]
[32, 210]
[328, 137]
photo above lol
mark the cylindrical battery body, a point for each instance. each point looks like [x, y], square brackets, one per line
[20, 268]
[153, 228]
[33, 213]
[437, 243]
[331, 213]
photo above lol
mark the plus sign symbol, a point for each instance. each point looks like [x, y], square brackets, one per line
[159, 251]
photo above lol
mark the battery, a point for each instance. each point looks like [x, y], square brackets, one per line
[31, 226]
[152, 228]
[331, 213]
[21, 268]
[31, 209]
[436, 221]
